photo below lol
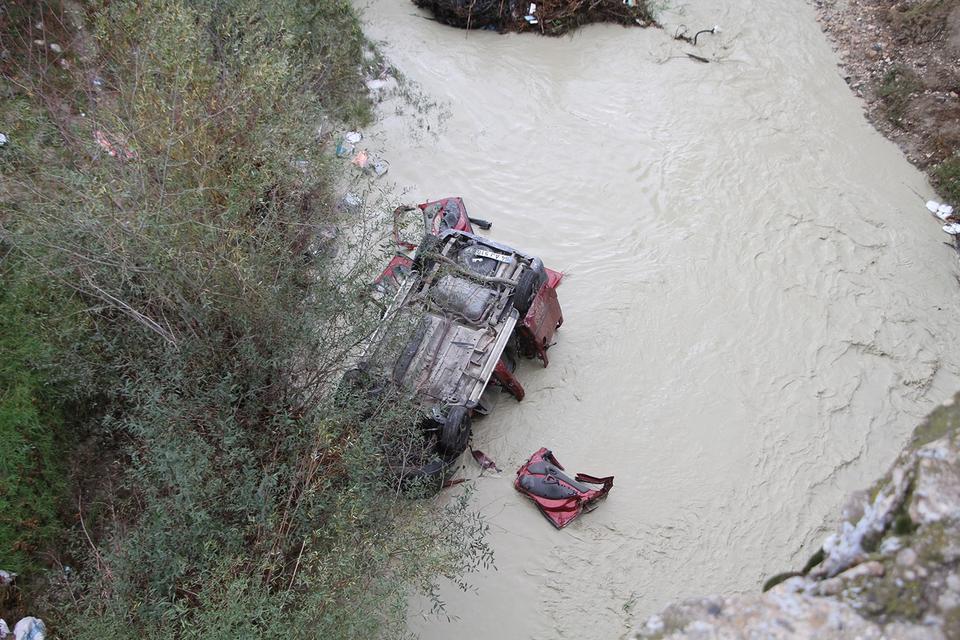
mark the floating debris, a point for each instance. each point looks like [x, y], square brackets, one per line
[484, 460]
[552, 18]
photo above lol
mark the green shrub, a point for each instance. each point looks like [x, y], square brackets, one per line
[896, 88]
[31, 472]
[224, 493]
[947, 178]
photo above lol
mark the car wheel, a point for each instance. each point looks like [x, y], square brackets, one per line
[532, 278]
[455, 432]
[425, 480]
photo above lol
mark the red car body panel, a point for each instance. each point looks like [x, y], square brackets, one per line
[559, 497]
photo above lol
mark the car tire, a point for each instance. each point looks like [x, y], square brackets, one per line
[531, 280]
[455, 431]
[427, 479]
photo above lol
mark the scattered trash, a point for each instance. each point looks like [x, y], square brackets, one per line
[4, 139]
[30, 628]
[942, 211]
[4, 629]
[378, 167]
[56, 48]
[97, 82]
[531, 14]
[40, 43]
[375, 84]
[360, 160]
[353, 137]
[484, 460]
[6, 578]
[351, 202]
[344, 149]
[559, 497]
[681, 33]
[113, 148]
[953, 228]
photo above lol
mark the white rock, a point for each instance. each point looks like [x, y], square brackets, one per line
[890, 545]
[953, 582]
[907, 557]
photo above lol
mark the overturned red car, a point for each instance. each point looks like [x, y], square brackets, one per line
[463, 308]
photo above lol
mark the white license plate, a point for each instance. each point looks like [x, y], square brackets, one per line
[499, 257]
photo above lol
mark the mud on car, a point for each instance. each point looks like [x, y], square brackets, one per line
[464, 308]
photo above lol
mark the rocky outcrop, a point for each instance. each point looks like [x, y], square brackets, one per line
[891, 570]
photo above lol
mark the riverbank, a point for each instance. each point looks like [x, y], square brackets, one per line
[903, 59]
[173, 317]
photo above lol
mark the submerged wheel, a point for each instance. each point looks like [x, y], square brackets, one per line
[455, 432]
[532, 278]
[425, 480]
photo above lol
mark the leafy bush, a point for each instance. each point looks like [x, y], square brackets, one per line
[896, 88]
[947, 178]
[170, 177]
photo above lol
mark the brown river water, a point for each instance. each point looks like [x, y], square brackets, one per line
[758, 307]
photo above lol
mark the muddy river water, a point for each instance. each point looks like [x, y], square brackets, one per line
[758, 307]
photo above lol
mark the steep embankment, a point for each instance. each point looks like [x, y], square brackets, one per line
[903, 58]
[890, 570]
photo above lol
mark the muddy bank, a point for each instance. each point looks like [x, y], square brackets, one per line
[756, 314]
[889, 570]
[903, 58]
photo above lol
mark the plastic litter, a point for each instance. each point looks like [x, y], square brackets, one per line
[378, 167]
[351, 202]
[360, 160]
[4, 139]
[113, 148]
[344, 149]
[375, 84]
[30, 628]
[56, 48]
[6, 578]
[4, 629]
[953, 228]
[932, 206]
[353, 137]
[944, 211]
